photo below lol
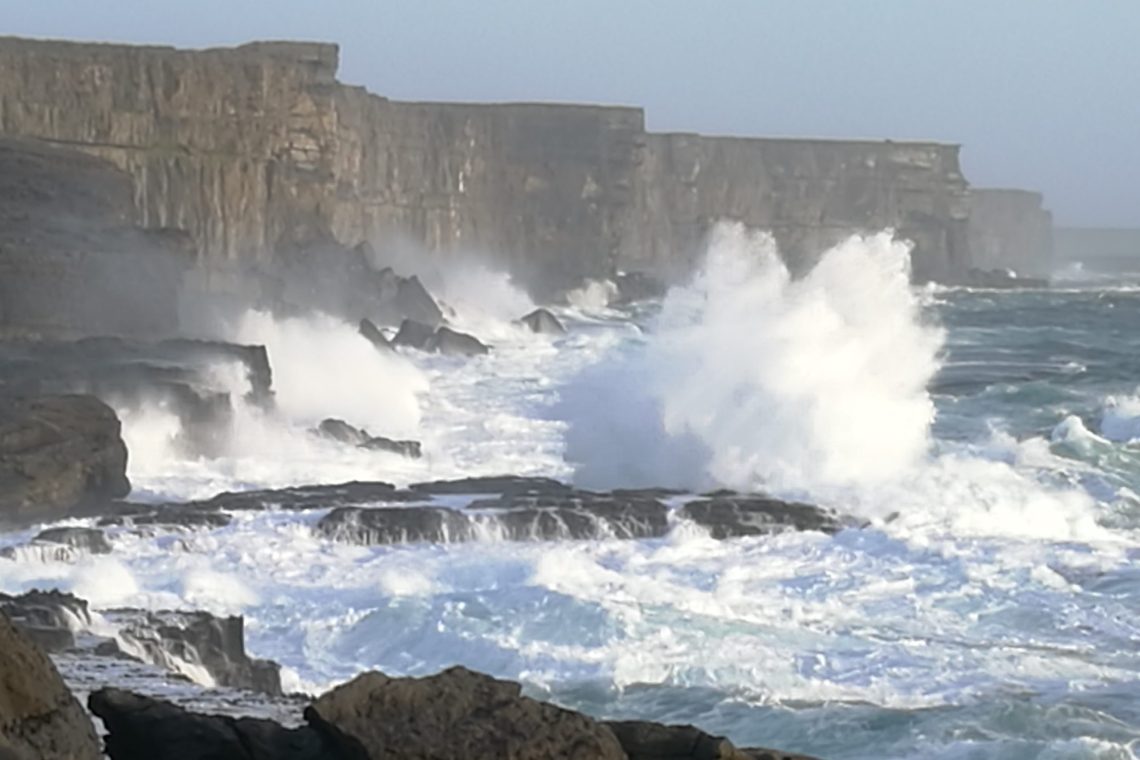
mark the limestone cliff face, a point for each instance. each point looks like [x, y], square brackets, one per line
[1009, 229]
[259, 146]
[809, 193]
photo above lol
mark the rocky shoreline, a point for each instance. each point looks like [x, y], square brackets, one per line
[457, 713]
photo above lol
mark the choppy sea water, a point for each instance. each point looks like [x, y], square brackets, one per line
[990, 441]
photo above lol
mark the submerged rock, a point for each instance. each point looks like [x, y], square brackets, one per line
[396, 525]
[409, 449]
[39, 718]
[456, 714]
[543, 322]
[57, 454]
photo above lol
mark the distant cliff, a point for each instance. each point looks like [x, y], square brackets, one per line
[256, 148]
[1010, 229]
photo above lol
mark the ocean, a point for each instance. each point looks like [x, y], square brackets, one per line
[983, 603]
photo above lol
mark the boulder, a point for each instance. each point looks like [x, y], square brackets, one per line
[543, 322]
[39, 718]
[414, 334]
[372, 334]
[457, 714]
[57, 454]
[643, 740]
[141, 728]
[454, 343]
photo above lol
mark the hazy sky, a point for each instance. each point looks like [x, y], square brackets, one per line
[1043, 94]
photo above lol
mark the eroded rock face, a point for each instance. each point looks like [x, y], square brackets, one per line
[57, 454]
[39, 718]
[456, 714]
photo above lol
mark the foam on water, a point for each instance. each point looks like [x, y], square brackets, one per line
[988, 610]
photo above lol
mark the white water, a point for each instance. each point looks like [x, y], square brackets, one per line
[981, 578]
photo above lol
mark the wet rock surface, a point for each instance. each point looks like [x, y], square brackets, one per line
[734, 516]
[442, 340]
[57, 454]
[339, 430]
[39, 717]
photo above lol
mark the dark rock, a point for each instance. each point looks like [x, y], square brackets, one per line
[217, 644]
[457, 714]
[507, 485]
[39, 718]
[141, 728]
[453, 343]
[176, 516]
[396, 525]
[414, 335]
[373, 335]
[339, 430]
[638, 286]
[543, 322]
[413, 302]
[728, 517]
[84, 539]
[643, 740]
[58, 453]
[409, 449]
[301, 498]
[49, 618]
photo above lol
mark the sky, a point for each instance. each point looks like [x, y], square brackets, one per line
[1042, 94]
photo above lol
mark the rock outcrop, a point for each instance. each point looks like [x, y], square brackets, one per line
[39, 718]
[541, 321]
[263, 158]
[58, 454]
[455, 714]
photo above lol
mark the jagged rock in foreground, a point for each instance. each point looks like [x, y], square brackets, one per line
[543, 322]
[457, 714]
[751, 515]
[58, 453]
[644, 740]
[39, 718]
[141, 728]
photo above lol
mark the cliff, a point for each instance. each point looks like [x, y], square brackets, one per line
[256, 149]
[809, 193]
[1009, 229]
